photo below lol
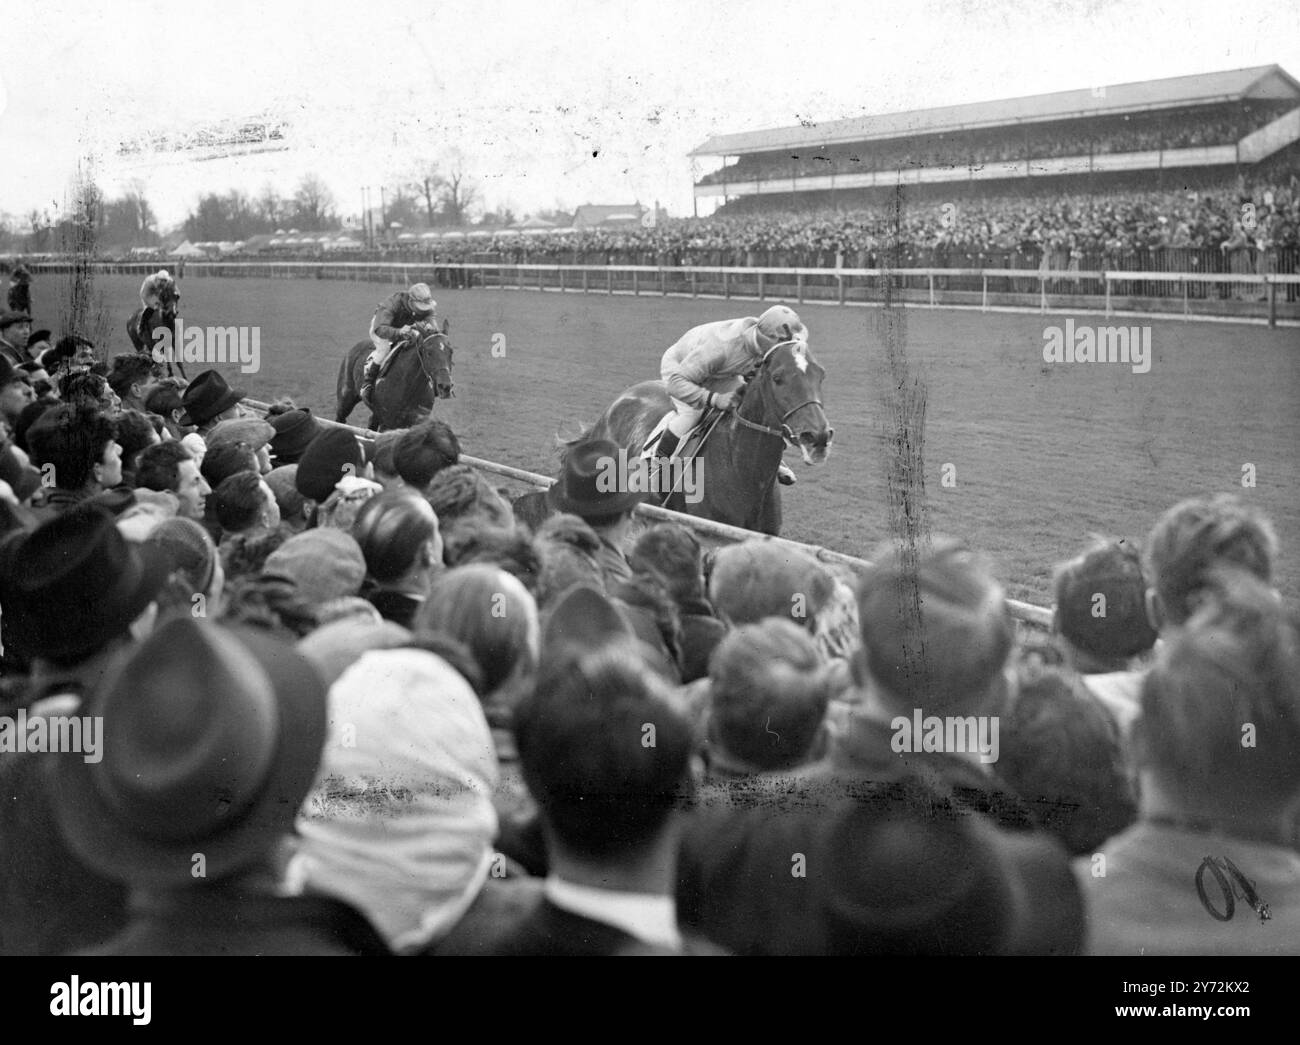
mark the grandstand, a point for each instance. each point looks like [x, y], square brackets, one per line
[1212, 125]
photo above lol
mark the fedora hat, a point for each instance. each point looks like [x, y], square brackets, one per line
[206, 396]
[578, 490]
[212, 739]
[9, 318]
[422, 297]
[76, 582]
[294, 431]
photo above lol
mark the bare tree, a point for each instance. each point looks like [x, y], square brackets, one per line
[459, 194]
[314, 204]
[428, 185]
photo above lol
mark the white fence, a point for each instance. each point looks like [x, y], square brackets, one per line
[706, 528]
[1243, 295]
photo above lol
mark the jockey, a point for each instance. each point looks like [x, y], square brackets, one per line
[705, 368]
[152, 287]
[392, 322]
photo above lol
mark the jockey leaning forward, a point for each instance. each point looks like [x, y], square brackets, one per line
[391, 323]
[706, 368]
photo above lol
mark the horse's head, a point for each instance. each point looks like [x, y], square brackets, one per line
[169, 297]
[788, 385]
[433, 348]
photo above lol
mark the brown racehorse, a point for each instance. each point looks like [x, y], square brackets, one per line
[404, 395]
[782, 405]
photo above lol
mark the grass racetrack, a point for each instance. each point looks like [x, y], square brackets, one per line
[1043, 454]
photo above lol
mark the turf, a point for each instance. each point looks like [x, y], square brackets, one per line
[1042, 455]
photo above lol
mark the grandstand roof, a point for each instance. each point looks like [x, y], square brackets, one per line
[1261, 81]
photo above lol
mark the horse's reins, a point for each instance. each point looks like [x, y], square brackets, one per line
[419, 353]
[783, 433]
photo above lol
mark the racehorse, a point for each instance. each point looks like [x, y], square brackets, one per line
[418, 372]
[145, 321]
[781, 405]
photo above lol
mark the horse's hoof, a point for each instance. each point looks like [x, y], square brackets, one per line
[786, 477]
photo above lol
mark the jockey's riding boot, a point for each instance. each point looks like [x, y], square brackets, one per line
[785, 477]
[368, 381]
[667, 446]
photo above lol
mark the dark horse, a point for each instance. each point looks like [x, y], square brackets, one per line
[418, 372]
[144, 322]
[782, 405]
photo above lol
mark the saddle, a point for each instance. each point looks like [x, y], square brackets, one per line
[691, 443]
[398, 348]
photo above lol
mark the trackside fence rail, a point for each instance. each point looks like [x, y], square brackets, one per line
[714, 532]
[1253, 296]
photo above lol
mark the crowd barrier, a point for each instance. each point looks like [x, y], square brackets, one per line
[1270, 296]
[708, 530]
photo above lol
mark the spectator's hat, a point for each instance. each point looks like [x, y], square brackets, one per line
[8, 318]
[900, 878]
[324, 564]
[206, 396]
[294, 431]
[583, 619]
[782, 323]
[422, 297]
[211, 741]
[76, 582]
[334, 453]
[253, 432]
[38, 336]
[283, 483]
[582, 488]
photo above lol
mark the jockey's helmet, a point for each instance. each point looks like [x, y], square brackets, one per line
[422, 297]
[782, 323]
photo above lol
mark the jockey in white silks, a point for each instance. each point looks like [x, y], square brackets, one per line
[151, 289]
[705, 368]
[392, 322]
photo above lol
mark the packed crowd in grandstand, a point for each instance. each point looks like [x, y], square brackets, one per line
[337, 696]
[1101, 228]
[1136, 132]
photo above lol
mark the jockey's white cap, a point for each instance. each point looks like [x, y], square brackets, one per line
[782, 323]
[422, 297]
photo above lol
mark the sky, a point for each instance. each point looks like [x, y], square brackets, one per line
[543, 103]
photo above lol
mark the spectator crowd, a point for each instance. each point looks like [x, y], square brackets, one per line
[272, 688]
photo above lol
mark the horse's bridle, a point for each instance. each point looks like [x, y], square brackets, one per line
[419, 354]
[783, 433]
